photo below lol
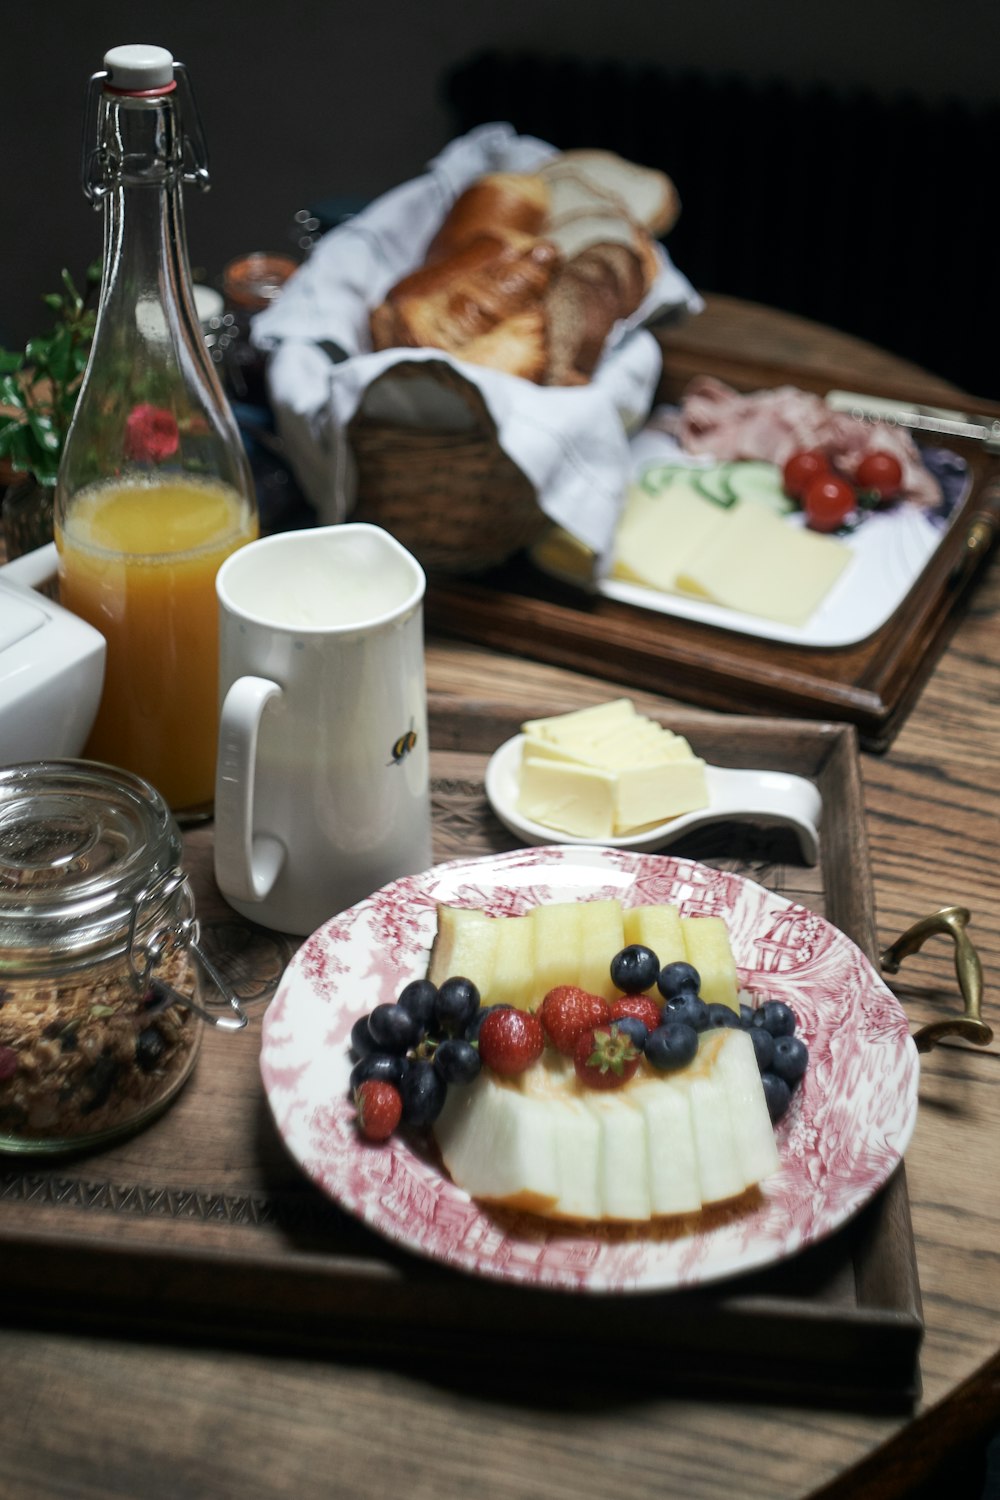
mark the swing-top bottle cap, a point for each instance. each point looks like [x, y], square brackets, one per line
[136, 68]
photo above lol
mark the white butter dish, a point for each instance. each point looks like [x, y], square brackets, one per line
[51, 667]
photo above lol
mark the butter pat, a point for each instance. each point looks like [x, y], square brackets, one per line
[606, 771]
[571, 798]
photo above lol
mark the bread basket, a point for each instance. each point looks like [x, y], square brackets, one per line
[451, 495]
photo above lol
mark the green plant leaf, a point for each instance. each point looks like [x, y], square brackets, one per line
[12, 393]
[9, 361]
[54, 301]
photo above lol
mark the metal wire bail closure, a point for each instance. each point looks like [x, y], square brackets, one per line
[183, 932]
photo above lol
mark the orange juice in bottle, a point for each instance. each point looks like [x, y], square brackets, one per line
[154, 489]
[139, 563]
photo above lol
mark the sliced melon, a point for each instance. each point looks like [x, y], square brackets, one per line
[706, 941]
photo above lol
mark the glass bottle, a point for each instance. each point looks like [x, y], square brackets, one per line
[154, 490]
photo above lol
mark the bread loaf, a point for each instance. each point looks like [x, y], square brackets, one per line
[456, 302]
[529, 272]
[501, 203]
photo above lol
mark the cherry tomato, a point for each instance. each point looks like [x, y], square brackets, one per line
[828, 502]
[801, 469]
[881, 472]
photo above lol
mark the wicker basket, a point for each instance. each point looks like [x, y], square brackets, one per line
[454, 499]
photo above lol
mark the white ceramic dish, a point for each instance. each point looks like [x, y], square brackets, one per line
[889, 553]
[848, 1125]
[774, 797]
[51, 667]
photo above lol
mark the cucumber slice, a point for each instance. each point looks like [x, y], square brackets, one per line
[715, 484]
[760, 483]
[660, 477]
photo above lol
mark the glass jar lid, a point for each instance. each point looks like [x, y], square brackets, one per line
[86, 858]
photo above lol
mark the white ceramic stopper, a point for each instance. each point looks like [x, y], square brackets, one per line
[139, 67]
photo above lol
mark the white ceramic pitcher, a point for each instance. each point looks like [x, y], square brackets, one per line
[322, 786]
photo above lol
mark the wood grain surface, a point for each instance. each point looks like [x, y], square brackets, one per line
[93, 1416]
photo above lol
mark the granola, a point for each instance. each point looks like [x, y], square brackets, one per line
[90, 1055]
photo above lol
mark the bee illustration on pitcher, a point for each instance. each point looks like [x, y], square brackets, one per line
[402, 747]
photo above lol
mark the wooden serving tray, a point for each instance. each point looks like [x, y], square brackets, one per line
[872, 684]
[201, 1226]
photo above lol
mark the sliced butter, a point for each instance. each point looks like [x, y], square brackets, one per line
[574, 799]
[605, 771]
[598, 717]
[652, 794]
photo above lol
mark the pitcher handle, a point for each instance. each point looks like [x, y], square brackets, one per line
[246, 864]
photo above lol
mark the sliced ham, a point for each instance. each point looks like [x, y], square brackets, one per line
[715, 419]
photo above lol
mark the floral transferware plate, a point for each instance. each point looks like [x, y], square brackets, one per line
[847, 1128]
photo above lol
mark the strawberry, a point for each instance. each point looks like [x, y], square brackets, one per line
[379, 1106]
[642, 1006]
[605, 1058]
[567, 1011]
[510, 1040]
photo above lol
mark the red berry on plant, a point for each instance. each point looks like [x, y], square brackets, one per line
[801, 468]
[827, 502]
[151, 434]
[568, 1010]
[642, 1007]
[605, 1057]
[379, 1106]
[881, 472]
[510, 1040]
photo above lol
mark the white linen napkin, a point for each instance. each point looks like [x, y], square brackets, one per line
[572, 443]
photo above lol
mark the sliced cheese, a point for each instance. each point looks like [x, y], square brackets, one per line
[758, 564]
[659, 534]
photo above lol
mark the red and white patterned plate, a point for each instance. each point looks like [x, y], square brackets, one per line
[848, 1125]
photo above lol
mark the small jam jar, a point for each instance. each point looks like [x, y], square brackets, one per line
[100, 972]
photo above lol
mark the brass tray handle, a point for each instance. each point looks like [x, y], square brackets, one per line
[951, 921]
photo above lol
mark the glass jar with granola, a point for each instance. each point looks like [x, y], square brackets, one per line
[100, 1002]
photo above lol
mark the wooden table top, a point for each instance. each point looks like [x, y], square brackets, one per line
[100, 1416]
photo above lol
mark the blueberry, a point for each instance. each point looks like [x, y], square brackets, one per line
[763, 1046]
[362, 1041]
[776, 1017]
[100, 1078]
[423, 1091]
[688, 1009]
[392, 1029]
[637, 1031]
[722, 1015]
[456, 1004]
[791, 1058]
[676, 977]
[457, 1060]
[385, 1067]
[777, 1094]
[634, 969]
[746, 1016]
[473, 1028]
[672, 1046]
[149, 1048]
[417, 999]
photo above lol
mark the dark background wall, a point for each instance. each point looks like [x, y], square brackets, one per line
[308, 100]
